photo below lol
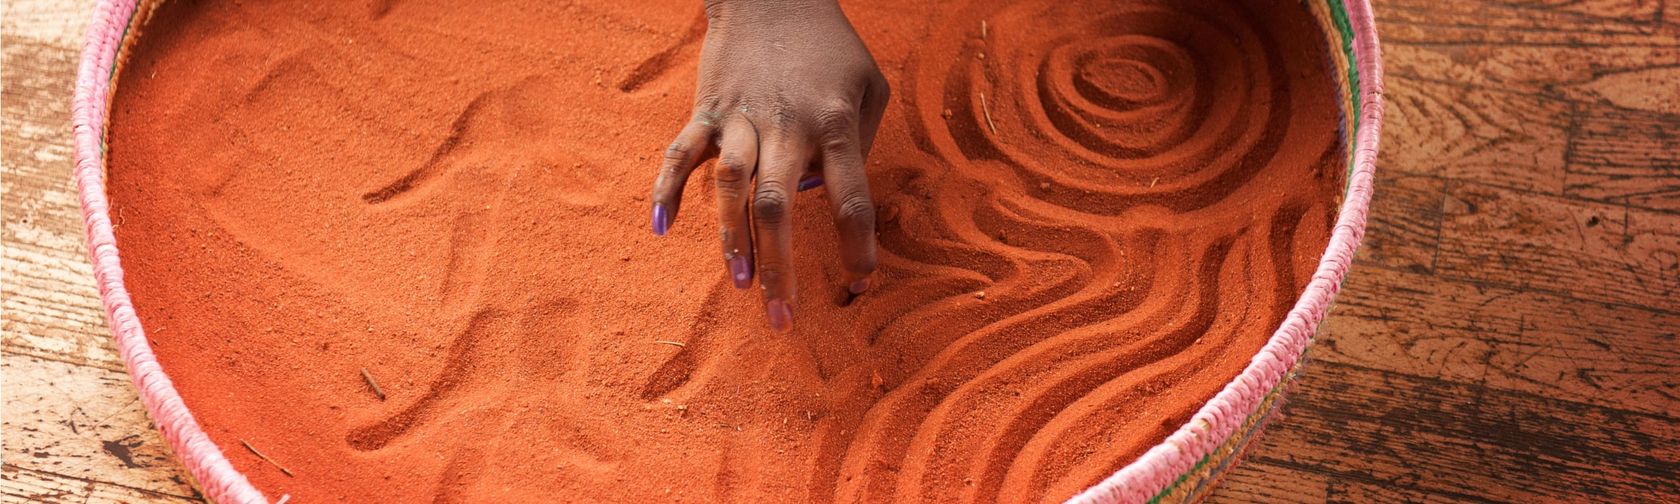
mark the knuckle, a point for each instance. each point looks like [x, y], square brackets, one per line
[770, 274]
[837, 118]
[856, 211]
[731, 169]
[770, 205]
[776, 114]
[727, 193]
[782, 120]
[677, 152]
[706, 102]
[838, 126]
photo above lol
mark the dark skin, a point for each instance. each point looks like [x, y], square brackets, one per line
[787, 99]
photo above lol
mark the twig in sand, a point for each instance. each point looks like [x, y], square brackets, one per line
[677, 344]
[982, 29]
[1153, 181]
[265, 458]
[377, 392]
[988, 113]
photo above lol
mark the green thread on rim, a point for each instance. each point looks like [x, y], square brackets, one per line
[1182, 478]
[1339, 18]
[1269, 406]
[111, 79]
[1344, 27]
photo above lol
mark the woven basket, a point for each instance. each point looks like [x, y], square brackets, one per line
[1183, 467]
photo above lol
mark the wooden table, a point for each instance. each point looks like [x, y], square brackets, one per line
[1509, 332]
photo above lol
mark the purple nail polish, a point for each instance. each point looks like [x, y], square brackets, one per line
[810, 183]
[661, 219]
[781, 317]
[862, 284]
[741, 271]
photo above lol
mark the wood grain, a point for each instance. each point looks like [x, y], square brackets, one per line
[1415, 437]
[1507, 339]
[102, 436]
[1465, 132]
[1509, 332]
[26, 485]
[1581, 249]
[1631, 156]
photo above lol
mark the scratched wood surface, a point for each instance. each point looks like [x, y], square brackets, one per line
[1508, 334]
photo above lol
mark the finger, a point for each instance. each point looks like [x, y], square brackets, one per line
[811, 181]
[875, 98]
[737, 158]
[780, 163]
[848, 195]
[692, 146]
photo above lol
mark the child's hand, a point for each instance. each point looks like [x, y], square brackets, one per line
[785, 86]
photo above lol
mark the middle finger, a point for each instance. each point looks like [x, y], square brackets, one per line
[737, 159]
[781, 161]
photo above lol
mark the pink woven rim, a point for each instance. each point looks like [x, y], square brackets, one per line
[94, 75]
[1159, 467]
[1155, 471]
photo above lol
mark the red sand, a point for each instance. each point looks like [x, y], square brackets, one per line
[1055, 295]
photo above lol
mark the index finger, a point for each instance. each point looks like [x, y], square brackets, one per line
[692, 146]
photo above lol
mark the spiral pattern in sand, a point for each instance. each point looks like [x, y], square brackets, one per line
[1126, 136]
[1092, 215]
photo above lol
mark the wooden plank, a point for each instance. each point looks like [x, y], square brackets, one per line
[1589, 352]
[1257, 481]
[24, 485]
[1584, 250]
[1628, 156]
[103, 435]
[1404, 224]
[1650, 88]
[1555, 49]
[1263, 481]
[1487, 21]
[58, 22]
[1349, 491]
[1461, 442]
[1457, 131]
[48, 304]
[1538, 70]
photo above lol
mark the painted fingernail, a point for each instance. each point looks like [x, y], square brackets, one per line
[741, 271]
[862, 284]
[661, 219]
[781, 316]
[810, 183]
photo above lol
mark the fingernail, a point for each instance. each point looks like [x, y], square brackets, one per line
[862, 284]
[661, 219]
[810, 183]
[741, 271]
[781, 317]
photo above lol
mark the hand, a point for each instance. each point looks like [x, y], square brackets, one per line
[788, 99]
